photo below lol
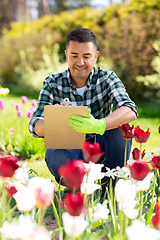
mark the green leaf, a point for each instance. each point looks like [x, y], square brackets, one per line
[149, 213]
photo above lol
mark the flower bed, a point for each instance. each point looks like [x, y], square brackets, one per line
[82, 213]
[130, 211]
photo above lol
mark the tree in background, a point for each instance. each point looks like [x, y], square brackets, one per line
[28, 10]
[7, 12]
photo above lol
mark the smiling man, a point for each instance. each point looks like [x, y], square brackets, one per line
[81, 58]
[85, 85]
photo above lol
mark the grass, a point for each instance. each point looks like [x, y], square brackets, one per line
[154, 140]
[21, 143]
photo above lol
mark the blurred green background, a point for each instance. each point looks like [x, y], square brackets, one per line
[33, 36]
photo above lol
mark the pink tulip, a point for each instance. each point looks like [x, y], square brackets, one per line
[12, 131]
[43, 191]
[24, 99]
[33, 102]
[29, 114]
[1, 104]
[32, 109]
[13, 103]
[19, 113]
[17, 106]
[40, 232]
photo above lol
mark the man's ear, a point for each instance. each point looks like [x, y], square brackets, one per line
[96, 56]
[66, 55]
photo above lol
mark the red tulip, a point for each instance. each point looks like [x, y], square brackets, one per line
[139, 135]
[8, 165]
[11, 189]
[91, 152]
[159, 129]
[126, 131]
[72, 173]
[155, 162]
[157, 207]
[139, 170]
[156, 219]
[74, 203]
[136, 154]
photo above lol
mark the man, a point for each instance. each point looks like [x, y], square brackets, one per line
[85, 85]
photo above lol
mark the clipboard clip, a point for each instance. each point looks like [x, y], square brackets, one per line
[66, 102]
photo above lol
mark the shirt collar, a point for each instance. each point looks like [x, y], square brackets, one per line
[88, 81]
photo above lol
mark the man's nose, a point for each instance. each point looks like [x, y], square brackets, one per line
[80, 61]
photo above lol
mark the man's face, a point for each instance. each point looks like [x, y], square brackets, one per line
[81, 58]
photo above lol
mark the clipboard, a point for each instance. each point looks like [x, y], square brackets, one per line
[57, 132]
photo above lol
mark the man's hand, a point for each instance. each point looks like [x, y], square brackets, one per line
[87, 125]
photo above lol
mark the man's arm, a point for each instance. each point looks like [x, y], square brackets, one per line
[91, 125]
[120, 116]
[39, 128]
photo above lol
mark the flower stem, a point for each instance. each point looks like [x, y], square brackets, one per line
[125, 224]
[125, 153]
[120, 222]
[140, 153]
[3, 204]
[56, 214]
[154, 186]
[41, 215]
[141, 204]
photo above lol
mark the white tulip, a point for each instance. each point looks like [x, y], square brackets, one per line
[22, 174]
[94, 170]
[88, 185]
[45, 184]
[128, 208]
[125, 191]
[73, 226]
[144, 184]
[100, 211]
[139, 231]
[17, 229]
[25, 198]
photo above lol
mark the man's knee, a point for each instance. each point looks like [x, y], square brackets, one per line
[56, 158]
[115, 148]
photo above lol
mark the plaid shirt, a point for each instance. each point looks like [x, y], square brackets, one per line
[103, 91]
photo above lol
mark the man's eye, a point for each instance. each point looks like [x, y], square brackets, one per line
[74, 56]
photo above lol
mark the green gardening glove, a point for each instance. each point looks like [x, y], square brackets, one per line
[87, 125]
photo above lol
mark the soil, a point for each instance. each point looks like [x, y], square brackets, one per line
[51, 225]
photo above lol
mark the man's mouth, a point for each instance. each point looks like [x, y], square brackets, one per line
[80, 69]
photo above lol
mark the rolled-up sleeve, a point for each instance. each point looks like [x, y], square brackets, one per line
[118, 95]
[45, 98]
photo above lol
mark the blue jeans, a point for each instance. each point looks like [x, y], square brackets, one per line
[111, 142]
